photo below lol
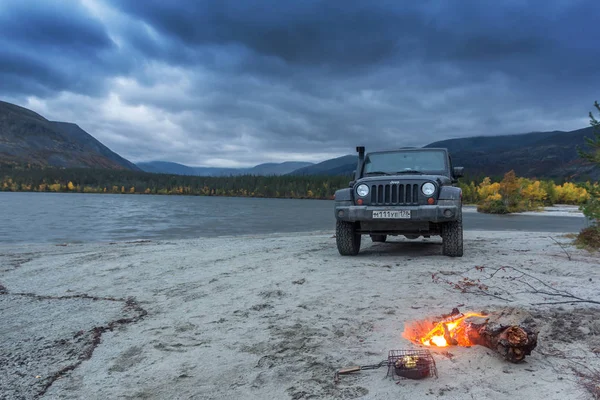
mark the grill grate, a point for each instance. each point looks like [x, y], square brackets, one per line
[395, 194]
[412, 364]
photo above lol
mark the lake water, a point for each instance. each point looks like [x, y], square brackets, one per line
[78, 217]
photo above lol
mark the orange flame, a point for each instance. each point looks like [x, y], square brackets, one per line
[449, 331]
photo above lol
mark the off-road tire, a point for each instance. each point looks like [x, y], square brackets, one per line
[378, 238]
[452, 238]
[347, 239]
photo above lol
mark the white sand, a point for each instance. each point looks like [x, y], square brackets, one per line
[273, 317]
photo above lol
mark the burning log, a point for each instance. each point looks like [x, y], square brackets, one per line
[511, 333]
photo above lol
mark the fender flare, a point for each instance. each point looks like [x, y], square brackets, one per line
[343, 194]
[450, 193]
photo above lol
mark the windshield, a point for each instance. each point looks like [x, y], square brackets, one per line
[405, 161]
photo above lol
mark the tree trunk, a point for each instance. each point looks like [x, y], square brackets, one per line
[512, 338]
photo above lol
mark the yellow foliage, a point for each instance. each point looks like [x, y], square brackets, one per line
[55, 187]
[487, 189]
[70, 185]
[495, 196]
[534, 192]
[132, 189]
[147, 191]
[569, 193]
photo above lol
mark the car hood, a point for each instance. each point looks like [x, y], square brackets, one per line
[404, 178]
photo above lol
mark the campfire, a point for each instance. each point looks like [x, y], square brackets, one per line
[510, 333]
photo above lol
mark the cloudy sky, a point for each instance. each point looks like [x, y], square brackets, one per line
[240, 82]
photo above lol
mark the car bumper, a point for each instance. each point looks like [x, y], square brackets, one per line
[435, 213]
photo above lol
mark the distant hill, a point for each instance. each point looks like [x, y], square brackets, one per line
[165, 167]
[336, 166]
[551, 155]
[28, 138]
[278, 169]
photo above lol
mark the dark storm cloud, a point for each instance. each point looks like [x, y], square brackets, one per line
[47, 47]
[311, 45]
[308, 32]
[345, 35]
[251, 81]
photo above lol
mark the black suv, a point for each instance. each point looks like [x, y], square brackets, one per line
[406, 192]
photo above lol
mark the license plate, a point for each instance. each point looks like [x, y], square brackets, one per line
[396, 214]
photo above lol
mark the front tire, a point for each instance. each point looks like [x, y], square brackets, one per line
[347, 239]
[452, 238]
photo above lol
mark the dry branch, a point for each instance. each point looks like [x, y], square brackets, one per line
[537, 286]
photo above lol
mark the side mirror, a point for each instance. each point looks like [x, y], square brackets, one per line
[459, 172]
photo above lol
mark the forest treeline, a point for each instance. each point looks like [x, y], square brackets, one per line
[516, 194]
[509, 194]
[85, 180]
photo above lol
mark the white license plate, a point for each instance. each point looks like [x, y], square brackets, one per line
[396, 214]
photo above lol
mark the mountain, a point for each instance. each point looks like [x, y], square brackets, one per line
[165, 167]
[551, 155]
[28, 138]
[278, 169]
[336, 166]
[537, 154]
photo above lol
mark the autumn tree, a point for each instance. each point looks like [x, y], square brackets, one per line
[509, 190]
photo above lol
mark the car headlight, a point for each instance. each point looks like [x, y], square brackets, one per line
[362, 190]
[428, 189]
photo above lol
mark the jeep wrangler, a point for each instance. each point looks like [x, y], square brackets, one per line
[409, 191]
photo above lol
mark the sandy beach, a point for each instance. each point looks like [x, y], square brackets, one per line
[274, 316]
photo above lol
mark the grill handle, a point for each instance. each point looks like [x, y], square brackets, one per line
[348, 370]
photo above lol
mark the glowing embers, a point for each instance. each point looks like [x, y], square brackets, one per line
[453, 329]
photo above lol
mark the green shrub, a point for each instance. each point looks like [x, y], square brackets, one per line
[589, 238]
[492, 207]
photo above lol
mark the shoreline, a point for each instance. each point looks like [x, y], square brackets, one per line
[273, 316]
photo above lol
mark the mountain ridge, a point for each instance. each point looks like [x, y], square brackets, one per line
[26, 137]
[265, 169]
[535, 154]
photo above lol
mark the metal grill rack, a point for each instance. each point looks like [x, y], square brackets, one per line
[412, 364]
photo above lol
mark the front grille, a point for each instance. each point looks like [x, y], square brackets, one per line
[395, 194]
